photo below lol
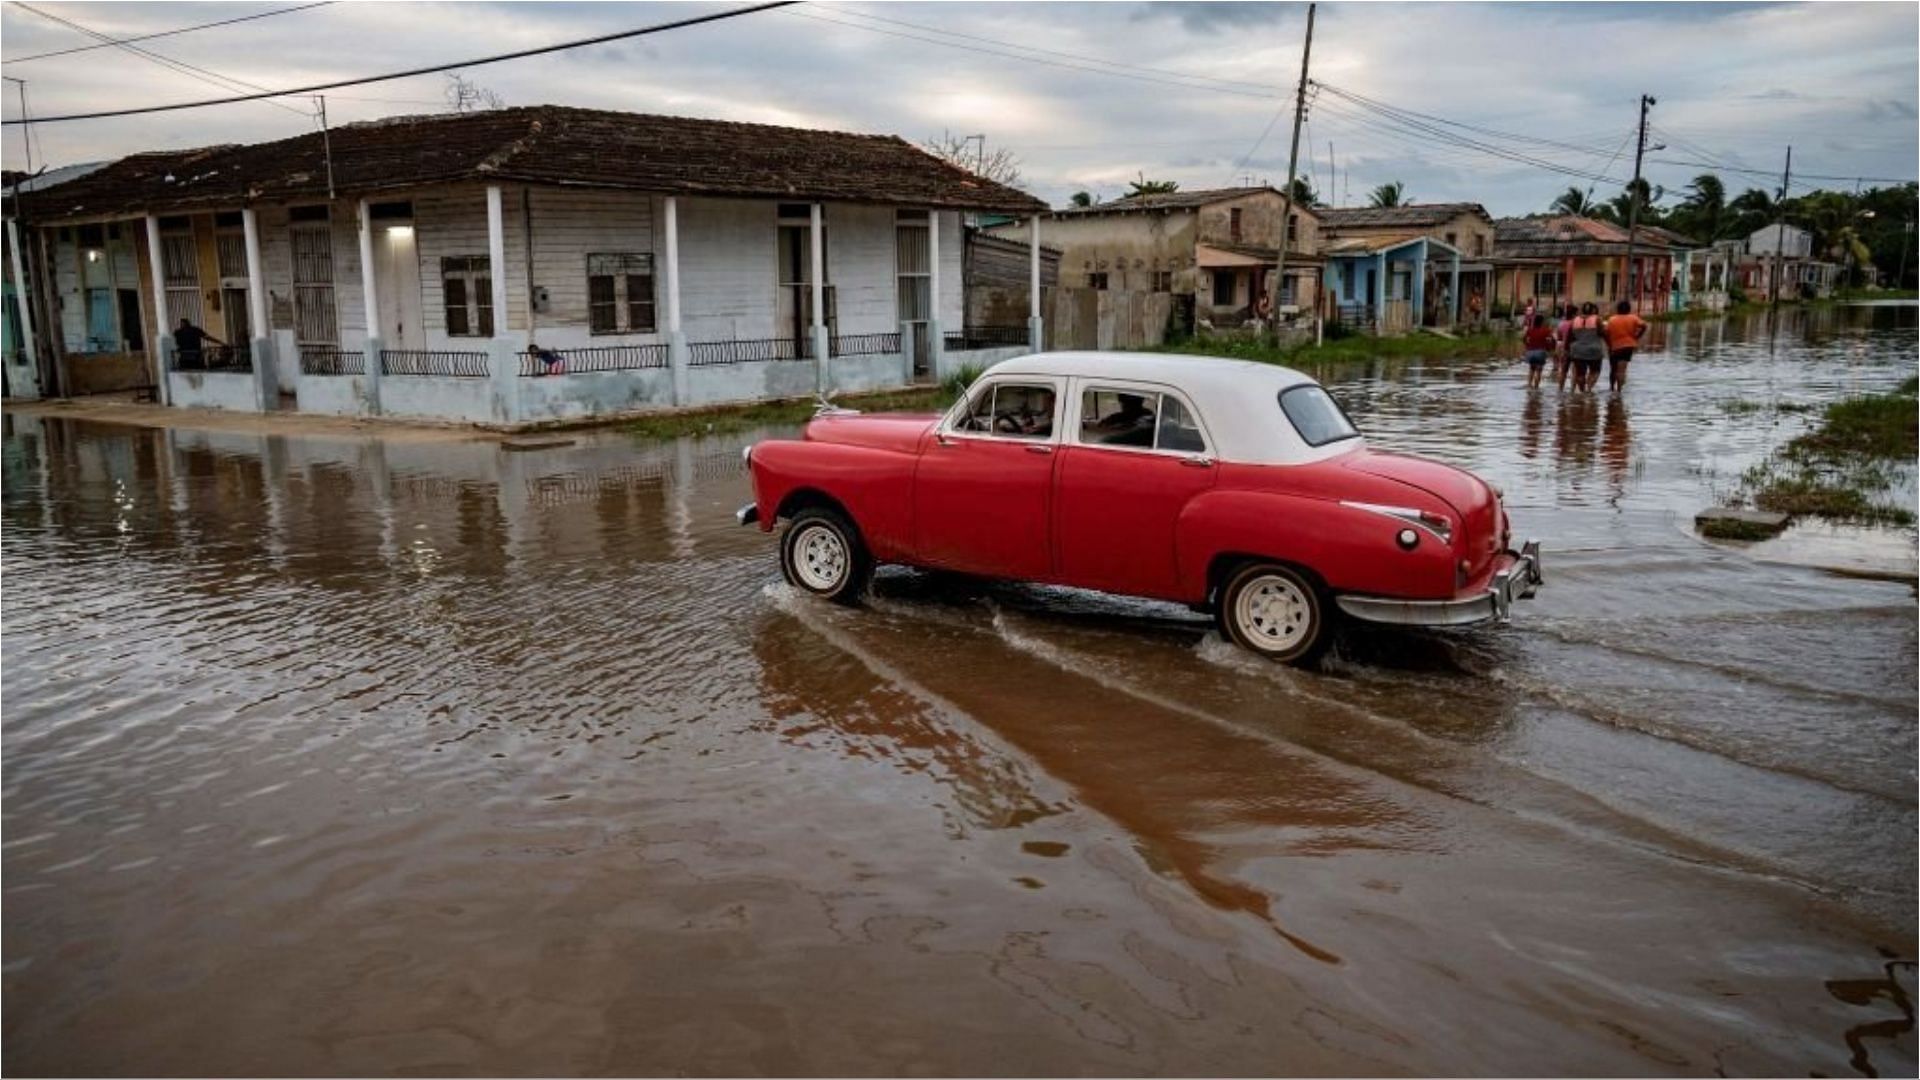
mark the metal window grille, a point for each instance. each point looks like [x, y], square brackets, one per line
[580, 361]
[315, 319]
[442, 362]
[231, 254]
[986, 337]
[233, 358]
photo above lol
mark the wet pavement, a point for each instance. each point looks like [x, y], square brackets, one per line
[342, 756]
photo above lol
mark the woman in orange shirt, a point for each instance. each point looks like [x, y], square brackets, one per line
[1624, 332]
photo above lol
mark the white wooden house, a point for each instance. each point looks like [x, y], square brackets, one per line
[511, 266]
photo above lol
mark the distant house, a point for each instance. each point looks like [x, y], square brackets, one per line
[1395, 267]
[1218, 247]
[444, 265]
[1566, 259]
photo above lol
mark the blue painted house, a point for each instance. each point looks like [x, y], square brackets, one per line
[1391, 269]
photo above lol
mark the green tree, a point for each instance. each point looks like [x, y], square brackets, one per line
[1389, 194]
[1081, 198]
[1572, 201]
[1144, 186]
[1750, 210]
[1303, 193]
[1702, 214]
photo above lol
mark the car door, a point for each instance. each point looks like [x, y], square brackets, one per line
[984, 489]
[1136, 455]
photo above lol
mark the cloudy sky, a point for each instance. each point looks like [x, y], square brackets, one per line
[1504, 104]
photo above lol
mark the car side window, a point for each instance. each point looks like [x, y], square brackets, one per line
[1011, 411]
[1143, 420]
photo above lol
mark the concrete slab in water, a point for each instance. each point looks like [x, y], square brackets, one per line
[535, 442]
[1733, 523]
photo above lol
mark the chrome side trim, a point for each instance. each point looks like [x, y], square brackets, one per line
[1407, 514]
[1516, 582]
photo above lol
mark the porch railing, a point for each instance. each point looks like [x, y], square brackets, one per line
[600, 358]
[458, 365]
[232, 358]
[986, 337]
[864, 344]
[709, 353]
[326, 360]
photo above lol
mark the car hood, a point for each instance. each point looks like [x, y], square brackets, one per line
[1458, 488]
[884, 431]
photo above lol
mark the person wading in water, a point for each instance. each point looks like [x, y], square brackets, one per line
[1586, 347]
[1624, 331]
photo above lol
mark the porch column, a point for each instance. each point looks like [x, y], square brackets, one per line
[265, 387]
[24, 377]
[1453, 292]
[1378, 295]
[936, 341]
[503, 360]
[676, 337]
[822, 363]
[1036, 328]
[1418, 301]
[162, 323]
[370, 298]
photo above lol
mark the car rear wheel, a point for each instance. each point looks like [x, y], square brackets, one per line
[821, 552]
[1275, 612]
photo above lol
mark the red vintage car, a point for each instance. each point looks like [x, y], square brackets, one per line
[1238, 488]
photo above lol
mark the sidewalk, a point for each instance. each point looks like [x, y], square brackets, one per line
[123, 410]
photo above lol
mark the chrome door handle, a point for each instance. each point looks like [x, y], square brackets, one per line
[1039, 448]
[1197, 462]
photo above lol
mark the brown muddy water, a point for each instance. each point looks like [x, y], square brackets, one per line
[347, 757]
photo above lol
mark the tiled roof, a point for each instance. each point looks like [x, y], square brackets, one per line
[1569, 235]
[540, 144]
[1172, 200]
[1360, 245]
[1417, 216]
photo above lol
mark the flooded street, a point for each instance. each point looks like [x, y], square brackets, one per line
[351, 756]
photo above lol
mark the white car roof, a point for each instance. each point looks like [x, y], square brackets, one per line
[1238, 400]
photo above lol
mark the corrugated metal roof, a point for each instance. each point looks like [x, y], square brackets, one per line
[1416, 216]
[1174, 200]
[539, 144]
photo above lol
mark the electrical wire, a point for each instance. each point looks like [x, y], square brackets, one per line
[163, 33]
[655, 28]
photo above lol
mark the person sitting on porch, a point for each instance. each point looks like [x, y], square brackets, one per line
[552, 362]
[189, 343]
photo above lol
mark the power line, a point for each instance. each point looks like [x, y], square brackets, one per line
[165, 33]
[1268, 88]
[1393, 118]
[1210, 87]
[205, 75]
[656, 28]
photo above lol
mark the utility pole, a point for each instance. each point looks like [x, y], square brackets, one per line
[326, 140]
[1634, 286]
[1779, 231]
[1293, 162]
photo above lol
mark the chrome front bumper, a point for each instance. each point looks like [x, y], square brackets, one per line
[748, 514]
[1518, 581]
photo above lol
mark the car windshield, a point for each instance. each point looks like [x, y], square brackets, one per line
[1315, 415]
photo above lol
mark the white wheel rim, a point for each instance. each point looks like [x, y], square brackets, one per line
[819, 558]
[1273, 613]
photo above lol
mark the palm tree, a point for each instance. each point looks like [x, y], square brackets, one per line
[1705, 207]
[1392, 194]
[1752, 209]
[1144, 186]
[1572, 201]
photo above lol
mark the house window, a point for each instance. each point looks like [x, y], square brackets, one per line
[1480, 244]
[1097, 281]
[314, 318]
[467, 290]
[1222, 289]
[1600, 283]
[180, 267]
[620, 294]
[1548, 283]
[1453, 240]
[1163, 281]
[1233, 224]
[1293, 228]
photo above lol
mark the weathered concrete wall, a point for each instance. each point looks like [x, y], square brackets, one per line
[104, 373]
[1129, 248]
[573, 397]
[879, 372]
[334, 395]
[1259, 223]
[469, 400]
[750, 382]
[230, 390]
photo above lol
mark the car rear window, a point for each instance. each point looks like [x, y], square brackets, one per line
[1315, 415]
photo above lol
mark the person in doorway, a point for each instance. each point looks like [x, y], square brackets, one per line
[1587, 346]
[1624, 331]
[189, 346]
[1539, 343]
[1475, 305]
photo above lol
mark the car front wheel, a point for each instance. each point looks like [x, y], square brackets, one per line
[821, 552]
[1276, 612]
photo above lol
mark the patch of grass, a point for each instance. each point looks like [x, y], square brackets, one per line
[1875, 426]
[1821, 495]
[1351, 349]
[732, 419]
[1838, 469]
[1747, 407]
[1721, 528]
